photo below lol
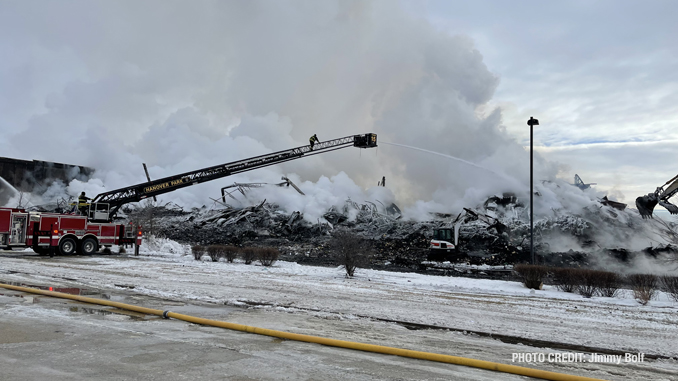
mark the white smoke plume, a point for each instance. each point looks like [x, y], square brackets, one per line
[181, 86]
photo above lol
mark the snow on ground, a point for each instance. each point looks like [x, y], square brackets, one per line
[167, 269]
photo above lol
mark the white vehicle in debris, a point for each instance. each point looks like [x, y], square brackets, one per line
[442, 246]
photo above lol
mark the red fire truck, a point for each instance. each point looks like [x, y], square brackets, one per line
[52, 233]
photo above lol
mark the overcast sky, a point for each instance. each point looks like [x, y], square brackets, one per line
[181, 85]
[601, 77]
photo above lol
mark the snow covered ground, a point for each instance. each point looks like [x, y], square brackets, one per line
[167, 270]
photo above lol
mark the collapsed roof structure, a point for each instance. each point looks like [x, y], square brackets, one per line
[579, 183]
[243, 187]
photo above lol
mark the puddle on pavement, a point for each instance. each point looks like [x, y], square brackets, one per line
[207, 311]
[113, 314]
[65, 290]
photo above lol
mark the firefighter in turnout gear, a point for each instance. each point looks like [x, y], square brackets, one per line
[313, 140]
[83, 204]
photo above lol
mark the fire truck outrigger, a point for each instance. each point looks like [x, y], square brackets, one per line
[54, 233]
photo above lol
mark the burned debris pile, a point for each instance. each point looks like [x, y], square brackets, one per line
[495, 233]
[397, 243]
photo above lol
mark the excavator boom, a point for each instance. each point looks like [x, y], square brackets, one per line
[661, 196]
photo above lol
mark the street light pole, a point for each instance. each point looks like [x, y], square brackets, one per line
[532, 122]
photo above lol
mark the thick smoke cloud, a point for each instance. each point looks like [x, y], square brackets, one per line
[182, 86]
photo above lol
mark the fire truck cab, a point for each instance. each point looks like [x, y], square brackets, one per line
[52, 233]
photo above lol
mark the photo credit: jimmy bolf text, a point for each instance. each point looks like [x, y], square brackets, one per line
[572, 357]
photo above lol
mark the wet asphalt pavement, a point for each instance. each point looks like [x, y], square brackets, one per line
[49, 338]
[58, 339]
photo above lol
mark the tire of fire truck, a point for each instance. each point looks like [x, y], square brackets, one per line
[67, 246]
[88, 246]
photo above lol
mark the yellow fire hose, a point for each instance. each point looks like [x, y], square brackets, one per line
[489, 365]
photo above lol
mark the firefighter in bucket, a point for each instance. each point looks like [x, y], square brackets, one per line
[83, 203]
[313, 139]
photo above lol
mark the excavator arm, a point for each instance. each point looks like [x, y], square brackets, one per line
[119, 197]
[661, 196]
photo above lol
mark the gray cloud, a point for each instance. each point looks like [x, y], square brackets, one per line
[591, 72]
[185, 85]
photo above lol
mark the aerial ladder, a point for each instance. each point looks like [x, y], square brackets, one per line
[104, 206]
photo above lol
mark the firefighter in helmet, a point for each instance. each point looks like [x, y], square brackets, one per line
[313, 140]
[82, 203]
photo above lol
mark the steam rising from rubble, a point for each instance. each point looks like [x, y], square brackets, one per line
[182, 86]
[214, 82]
[319, 197]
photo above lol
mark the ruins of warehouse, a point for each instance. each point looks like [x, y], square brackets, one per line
[34, 175]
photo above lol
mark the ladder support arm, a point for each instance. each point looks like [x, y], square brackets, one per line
[117, 198]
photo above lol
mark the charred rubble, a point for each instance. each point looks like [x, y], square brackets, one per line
[495, 233]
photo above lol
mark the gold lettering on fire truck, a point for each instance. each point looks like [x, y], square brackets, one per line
[168, 184]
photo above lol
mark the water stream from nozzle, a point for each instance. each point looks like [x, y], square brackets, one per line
[510, 179]
[8, 185]
[5, 185]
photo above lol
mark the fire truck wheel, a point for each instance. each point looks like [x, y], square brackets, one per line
[67, 246]
[88, 246]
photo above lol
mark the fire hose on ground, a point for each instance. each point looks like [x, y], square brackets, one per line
[481, 364]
